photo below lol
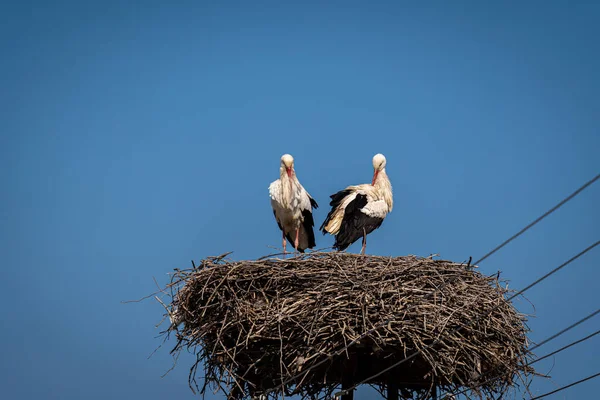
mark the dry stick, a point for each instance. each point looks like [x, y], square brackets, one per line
[477, 319]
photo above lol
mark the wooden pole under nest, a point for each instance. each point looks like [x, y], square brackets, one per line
[346, 383]
[349, 371]
[392, 391]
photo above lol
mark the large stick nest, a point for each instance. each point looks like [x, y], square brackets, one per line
[304, 325]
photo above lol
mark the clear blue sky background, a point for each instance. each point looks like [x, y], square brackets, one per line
[136, 136]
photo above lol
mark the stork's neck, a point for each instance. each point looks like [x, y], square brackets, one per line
[384, 188]
[287, 185]
[284, 176]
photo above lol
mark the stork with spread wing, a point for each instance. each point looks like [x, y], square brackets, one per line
[358, 210]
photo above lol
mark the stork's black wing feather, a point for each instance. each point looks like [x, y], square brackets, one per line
[336, 199]
[355, 223]
[308, 225]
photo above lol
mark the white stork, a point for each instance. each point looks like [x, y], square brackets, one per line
[292, 207]
[358, 210]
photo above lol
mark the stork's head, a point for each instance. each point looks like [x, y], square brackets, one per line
[287, 163]
[378, 165]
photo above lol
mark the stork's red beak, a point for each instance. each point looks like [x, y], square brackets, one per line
[374, 177]
[289, 172]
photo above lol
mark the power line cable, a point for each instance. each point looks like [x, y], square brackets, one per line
[414, 354]
[555, 270]
[550, 211]
[568, 328]
[565, 387]
[565, 347]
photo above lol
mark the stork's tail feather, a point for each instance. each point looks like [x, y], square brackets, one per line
[340, 246]
[345, 238]
[336, 200]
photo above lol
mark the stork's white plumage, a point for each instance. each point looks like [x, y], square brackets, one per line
[358, 210]
[292, 207]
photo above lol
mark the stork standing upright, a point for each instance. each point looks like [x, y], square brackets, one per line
[358, 210]
[292, 207]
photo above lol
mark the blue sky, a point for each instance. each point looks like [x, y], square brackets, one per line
[136, 137]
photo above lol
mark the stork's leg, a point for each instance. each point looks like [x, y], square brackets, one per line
[296, 240]
[364, 244]
[283, 242]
